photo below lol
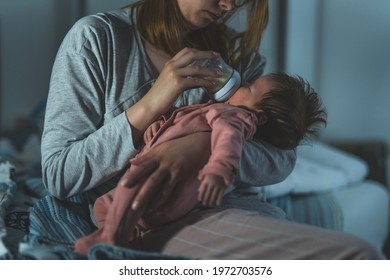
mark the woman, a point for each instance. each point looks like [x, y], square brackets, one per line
[114, 74]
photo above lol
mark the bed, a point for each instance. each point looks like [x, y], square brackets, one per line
[340, 186]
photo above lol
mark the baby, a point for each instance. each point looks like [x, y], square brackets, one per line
[279, 109]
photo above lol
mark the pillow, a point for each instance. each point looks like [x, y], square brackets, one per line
[319, 167]
[353, 168]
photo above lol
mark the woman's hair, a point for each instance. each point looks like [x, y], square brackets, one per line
[161, 24]
[294, 112]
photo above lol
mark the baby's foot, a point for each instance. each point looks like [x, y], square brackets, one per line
[83, 244]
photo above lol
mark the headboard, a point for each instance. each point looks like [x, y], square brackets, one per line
[374, 152]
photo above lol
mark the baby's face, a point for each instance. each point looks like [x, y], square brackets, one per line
[249, 95]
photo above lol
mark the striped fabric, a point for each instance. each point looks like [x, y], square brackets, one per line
[56, 224]
[60, 222]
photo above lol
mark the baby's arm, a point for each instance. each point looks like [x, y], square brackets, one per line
[152, 130]
[230, 129]
[211, 189]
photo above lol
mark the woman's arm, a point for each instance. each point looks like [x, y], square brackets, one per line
[263, 164]
[78, 151]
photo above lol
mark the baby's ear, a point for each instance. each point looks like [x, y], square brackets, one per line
[261, 117]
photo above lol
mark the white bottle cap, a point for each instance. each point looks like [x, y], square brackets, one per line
[229, 88]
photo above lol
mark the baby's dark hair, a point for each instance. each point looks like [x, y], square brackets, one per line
[294, 111]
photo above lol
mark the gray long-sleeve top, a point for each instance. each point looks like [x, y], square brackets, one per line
[101, 69]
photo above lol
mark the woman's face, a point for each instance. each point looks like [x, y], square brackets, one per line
[200, 13]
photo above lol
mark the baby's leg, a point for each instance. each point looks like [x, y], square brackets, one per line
[183, 199]
[115, 219]
[101, 206]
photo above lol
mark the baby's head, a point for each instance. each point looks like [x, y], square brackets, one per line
[288, 109]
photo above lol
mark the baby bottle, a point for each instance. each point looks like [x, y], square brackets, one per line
[225, 85]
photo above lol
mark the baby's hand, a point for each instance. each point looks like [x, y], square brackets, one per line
[211, 190]
[152, 130]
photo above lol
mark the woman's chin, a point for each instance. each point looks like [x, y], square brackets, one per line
[199, 25]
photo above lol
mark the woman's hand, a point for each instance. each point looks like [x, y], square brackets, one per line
[159, 171]
[177, 75]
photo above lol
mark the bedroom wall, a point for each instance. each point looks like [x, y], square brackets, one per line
[31, 32]
[342, 47]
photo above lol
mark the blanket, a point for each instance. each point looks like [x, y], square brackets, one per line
[7, 191]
